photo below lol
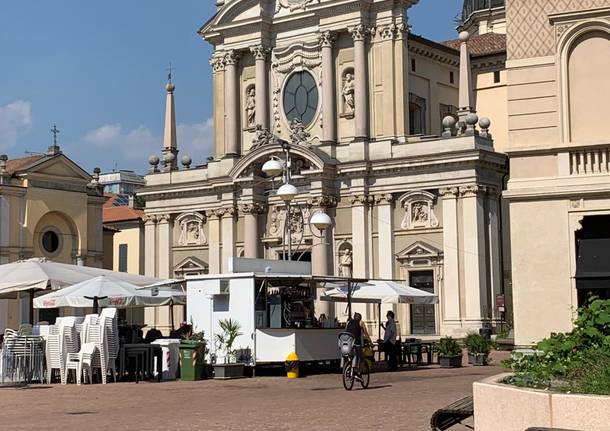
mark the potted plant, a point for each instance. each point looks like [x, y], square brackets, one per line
[478, 348]
[228, 368]
[449, 353]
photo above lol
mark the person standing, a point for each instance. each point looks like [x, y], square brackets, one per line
[389, 341]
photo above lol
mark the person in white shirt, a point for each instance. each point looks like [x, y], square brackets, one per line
[389, 340]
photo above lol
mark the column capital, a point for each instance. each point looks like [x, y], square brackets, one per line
[384, 199]
[327, 39]
[232, 57]
[449, 192]
[252, 208]
[149, 219]
[389, 32]
[324, 201]
[217, 61]
[360, 32]
[361, 200]
[260, 52]
[164, 218]
[473, 191]
[224, 211]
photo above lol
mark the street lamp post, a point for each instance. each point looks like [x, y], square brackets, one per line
[287, 192]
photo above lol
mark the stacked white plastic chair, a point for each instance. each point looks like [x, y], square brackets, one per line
[62, 340]
[96, 335]
[82, 362]
[109, 318]
[22, 356]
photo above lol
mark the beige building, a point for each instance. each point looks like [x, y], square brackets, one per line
[361, 102]
[558, 140]
[49, 207]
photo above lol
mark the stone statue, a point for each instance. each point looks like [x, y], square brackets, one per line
[191, 232]
[345, 263]
[348, 94]
[262, 137]
[298, 134]
[251, 107]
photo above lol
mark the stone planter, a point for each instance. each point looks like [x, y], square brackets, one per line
[500, 407]
[228, 371]
[450, 361]
[478, 359]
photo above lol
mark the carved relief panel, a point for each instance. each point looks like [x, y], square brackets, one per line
[191, 229]
[419, 210]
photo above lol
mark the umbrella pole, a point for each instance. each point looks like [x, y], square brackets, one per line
[349, 299]
[31, 317]
[96, 305]
[171, 314]
[379, 324]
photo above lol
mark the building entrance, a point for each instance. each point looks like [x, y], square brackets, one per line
[423, 317]
[593, 258]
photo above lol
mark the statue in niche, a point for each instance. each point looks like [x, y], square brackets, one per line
[348, 94]
[345, 263]
[251, 107]
[276, 222]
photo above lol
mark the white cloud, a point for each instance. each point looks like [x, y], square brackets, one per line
[136, 145]
[15, 120]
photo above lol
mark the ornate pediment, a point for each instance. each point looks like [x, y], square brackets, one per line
[191, 266]
[420, 253]
[419, 210]
[293, 5]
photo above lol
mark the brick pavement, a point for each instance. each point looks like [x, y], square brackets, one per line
[395, 401]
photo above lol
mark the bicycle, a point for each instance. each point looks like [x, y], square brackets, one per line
[348, 354]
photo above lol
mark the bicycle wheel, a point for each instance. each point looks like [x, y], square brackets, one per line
[348, 375]
[365, 374]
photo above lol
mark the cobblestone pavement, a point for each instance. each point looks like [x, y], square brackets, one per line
[402, 400]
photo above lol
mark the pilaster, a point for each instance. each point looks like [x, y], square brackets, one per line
[329, 114]
[261, 53]
[252, 243]
[360, 33]
[228, 237]
[218, 84]
[232, 102]
[450, 294]
[360, 235]
[165, 224]
[150, 240]
[385, 227]
[214, 240]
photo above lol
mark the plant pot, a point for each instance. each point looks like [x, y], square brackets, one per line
[450, 361]
[478, 359]
[208, 371]
[228, 371]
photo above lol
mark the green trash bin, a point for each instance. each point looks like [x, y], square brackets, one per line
[192, 360]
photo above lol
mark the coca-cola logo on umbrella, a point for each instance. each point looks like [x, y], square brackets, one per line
[48, 302]
[117, 301]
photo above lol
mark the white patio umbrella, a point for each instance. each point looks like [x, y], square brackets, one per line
[42, 274]
[379, 292]
[107, 291]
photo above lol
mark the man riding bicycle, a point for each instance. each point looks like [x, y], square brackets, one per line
[357, 328]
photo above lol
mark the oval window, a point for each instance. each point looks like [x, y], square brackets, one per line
[50, 242]
[301, 98]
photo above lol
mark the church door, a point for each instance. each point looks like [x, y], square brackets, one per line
[423, 317]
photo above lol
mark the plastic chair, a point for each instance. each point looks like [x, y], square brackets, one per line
[82, 362]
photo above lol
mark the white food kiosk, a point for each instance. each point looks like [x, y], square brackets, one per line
[277, 308]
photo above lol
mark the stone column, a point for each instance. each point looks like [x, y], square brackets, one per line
[150, 240]
[232, 103]
[251, 234]
[165, 243]
[321, 251]
[450, 294]
[218, 84]
[359, 34]
[329, 112]
[214, 238]
[495, 263]
[385, 227]
[475, 279]
[260, 57]
[228, 238]
[360, 235]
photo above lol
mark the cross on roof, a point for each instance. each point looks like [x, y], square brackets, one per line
[170, 70]
[55, 132]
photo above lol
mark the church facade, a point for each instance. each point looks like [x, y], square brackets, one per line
[383, 139]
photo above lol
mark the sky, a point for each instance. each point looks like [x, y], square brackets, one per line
[98, 70]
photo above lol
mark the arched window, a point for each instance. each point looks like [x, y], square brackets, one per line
[588, 69]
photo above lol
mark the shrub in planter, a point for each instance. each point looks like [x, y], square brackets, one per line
[449, 353]
[479, 348]
[224, 341]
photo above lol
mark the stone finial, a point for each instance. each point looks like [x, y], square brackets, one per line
[448, 125]
[169, 161]
[95, 178]
[471, 124]
[186, 161]
[153, 161]
[485, 124]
